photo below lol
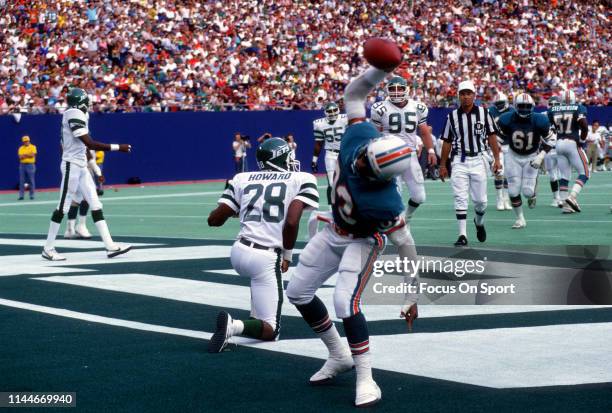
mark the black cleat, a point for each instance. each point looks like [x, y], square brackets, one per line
[481, 233]
[121, 249]
[219, 339]
[461, 241]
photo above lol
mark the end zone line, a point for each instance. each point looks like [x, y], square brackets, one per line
[135, 325]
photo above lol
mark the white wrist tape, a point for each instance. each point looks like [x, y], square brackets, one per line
[315, 159]
[288, 255]
[431, 150]
[114, 147]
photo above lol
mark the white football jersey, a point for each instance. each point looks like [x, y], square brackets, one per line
[75, 124]
[262, 198]
[330, 132]
[389, 118]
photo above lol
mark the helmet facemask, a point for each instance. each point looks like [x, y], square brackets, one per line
[397, 93]
[332, 112]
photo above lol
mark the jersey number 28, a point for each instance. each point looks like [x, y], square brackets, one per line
[270, 200]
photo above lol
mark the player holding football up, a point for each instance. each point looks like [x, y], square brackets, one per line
[76, 177]
[365, 204]
[270, 204]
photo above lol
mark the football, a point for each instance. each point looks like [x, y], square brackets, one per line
[382, 53]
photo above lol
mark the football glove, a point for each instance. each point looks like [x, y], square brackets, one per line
[537, 161]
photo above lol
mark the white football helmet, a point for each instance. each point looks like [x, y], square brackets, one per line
[524, 104]
[388, 157]
[397, 89]
[568, 97]
[501, 102]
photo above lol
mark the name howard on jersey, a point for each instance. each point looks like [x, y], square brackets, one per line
[269, 176]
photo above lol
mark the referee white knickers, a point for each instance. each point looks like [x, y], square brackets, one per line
[263, 268]
[469, 177]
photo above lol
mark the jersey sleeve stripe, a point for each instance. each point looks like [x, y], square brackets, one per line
[231, 199]
[76, 121]
[314, 203]
[308, 185]
[312, 197]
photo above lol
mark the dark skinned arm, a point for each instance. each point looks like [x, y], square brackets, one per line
[99, 146]
[291, 228]
[219, 215]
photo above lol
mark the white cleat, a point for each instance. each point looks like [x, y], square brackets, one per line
[69, 234]
[573, 203]
[555, 203]
[120, 249]
[508, 205]
[368, 393]
[519, 223]
[331, 368]
[566, 210]
[52, 255]
[82, 232]
[501, 206]
[222, 334]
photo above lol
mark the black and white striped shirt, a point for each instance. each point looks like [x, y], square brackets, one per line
[468, 131]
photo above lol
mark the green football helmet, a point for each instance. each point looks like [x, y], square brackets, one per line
[78, 98]
[554, 101]
[275, 154]
[331, 111]
[397, 89]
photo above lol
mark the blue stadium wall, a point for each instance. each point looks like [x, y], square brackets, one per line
[170, 146]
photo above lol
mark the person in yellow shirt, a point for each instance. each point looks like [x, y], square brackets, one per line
[97, 179]
[27, 166]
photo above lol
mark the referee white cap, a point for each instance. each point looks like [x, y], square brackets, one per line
[467, 85]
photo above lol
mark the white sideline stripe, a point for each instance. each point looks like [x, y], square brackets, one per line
[69, 243]
[105, 320]
[580, 351]
[239, 297]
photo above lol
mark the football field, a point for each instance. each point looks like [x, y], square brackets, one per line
[130, 334]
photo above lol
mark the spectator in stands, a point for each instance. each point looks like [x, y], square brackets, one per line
[27, 167]
[292, 144]
[239, 146]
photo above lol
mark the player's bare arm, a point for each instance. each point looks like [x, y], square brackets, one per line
[219, 215]
[317, 151]
[584, 129]
[106, 147]
[492, 138]
[446, 149]
[425, 133]
[290, 231]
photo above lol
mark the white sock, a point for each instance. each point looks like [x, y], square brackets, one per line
[576, 190]
[556, 195]
[82, 220]
[71, 223]
[363, 366]
[519, 212]
[462, 227]
[334, 343]
[51, 235]
[237, 327]
[105, 234]
[410, 212]
[500, 194]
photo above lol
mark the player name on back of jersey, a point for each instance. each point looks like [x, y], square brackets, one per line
[268, 176]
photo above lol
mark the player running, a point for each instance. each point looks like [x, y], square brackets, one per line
[500, 106]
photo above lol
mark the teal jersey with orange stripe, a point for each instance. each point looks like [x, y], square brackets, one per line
[524, 135]
[362, 206]
[565, 119]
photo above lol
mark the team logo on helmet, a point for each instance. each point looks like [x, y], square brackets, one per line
[524, 105]
[275, 154]
[388, 157]
[78, 98]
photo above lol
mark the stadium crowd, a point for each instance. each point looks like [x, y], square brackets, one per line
[168, 55]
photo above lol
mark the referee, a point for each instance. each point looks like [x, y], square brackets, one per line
[464, 140]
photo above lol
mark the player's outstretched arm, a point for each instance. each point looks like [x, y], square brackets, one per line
[100, 146]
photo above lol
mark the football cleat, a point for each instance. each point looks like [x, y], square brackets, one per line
[220, 338]
[461, 241]
[69, 234]
[519, 223]
[565, 209]
[52, 255]
[531, 202]
[555, 203]
[481, 233]
[120, 249]
[82, 232]
[501, 205]
[573, 203]
[368, 393]
[331, 368]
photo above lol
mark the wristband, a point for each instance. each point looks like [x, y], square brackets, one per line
[114, 147]
[315, 159]
[288, 255]
[431, 151]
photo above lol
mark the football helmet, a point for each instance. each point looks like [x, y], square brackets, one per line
[388, 157]
[524, 105]
[554, 101]
[78, 98]
[501, 102]
[275, 154]
[568, 97]
[397, 89]
[331, 112]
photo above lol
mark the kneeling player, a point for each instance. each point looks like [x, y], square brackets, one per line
[526, 132]
[270, 204]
